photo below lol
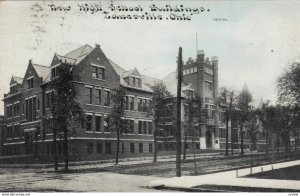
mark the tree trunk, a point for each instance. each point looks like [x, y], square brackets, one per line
[226, 132]
[267, 143]
[193, 147]
[242, 140]
[155, 146]
[184, 147]
[277, 143]
[118, 146]
[66, 149]
[55, 149]
[231, 140]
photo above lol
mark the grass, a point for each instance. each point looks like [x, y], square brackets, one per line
[289, 173]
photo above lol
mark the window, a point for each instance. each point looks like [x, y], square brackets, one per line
[208, 71]
[106, 98]
[131, 147]
[30, 83]
[197, 146]
[138, 82]
[145, 127]
[222, 133]
[38, 104]
[150, 128]
[107, 148]
[140, 126]
[150, 148]
[97, 123]
[90, 147]
[88, 123]
[106, 124]
[49, 99]
[140, 148]
[98, 97]
[99, 148]
[31, 109]
[13, 89]
[89, 94]
[209, 111]
[98, 72]
[208, 86]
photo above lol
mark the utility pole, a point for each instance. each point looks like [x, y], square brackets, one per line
[178, 132]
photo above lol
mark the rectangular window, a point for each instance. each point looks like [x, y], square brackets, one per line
[106, 98]
[98, 97]
[140, 106]
[140, 148]
[131, 103]
[145, 127]
[150, 128]
[98, 123]
[30, 83]
[106, 124]
[131, 147]
[132, 81]
[99, 148]
[138, 82]
[89, 95]
[107, 148]
[88, 123]
[38, 104]
[140, 126]
[98, 72]
[150, 148]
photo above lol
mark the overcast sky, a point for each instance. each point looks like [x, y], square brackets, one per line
[254, 45]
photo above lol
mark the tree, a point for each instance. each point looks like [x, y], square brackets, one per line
[288, 86]
[65, 111]
[266, 115]
[244, 100]
[117, 114]
[227, 99]
[195, 118]
[160, 107]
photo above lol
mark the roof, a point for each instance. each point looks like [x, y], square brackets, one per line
[171, 83]
[150, 81]
[122, 73]
[78, 54]
[41, 70]
[17, 79]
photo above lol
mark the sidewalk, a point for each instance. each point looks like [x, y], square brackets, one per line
[229, 178]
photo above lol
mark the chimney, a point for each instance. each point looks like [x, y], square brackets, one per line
[200, 56]
[97, 46]
[214, 60]
[30, 61]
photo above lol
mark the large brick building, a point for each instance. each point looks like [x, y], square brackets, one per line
[27, 107]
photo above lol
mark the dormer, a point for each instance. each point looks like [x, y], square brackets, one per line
[133, 78]
[15, 84]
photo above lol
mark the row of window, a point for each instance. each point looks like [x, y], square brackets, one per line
[13, 132]
[98, 97]
[107, 148]
[13, 110]
[134, 81]
[14, 89]
[102, 123]
[189, 71]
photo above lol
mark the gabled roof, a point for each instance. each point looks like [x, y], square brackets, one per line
[133, 72]
[75, 56]
[41, 70]
[120, 71]
[17, 79]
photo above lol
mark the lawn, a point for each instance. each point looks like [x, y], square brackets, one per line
[289, 173]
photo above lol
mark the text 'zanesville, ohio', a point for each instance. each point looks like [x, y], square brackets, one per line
[137, 12]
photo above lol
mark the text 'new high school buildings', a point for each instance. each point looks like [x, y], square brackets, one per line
[27, 107]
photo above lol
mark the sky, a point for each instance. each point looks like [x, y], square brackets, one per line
[254, 41]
